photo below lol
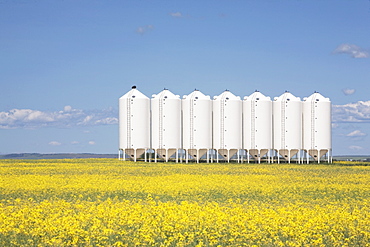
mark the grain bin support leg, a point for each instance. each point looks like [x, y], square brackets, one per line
[318, 156]
[308, 157]
[268, 156]
[299, 156]
[259, 156]
[273, 155]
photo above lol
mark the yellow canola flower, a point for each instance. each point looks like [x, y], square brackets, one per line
[105, 202]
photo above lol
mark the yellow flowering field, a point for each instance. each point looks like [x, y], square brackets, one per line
[106, 202]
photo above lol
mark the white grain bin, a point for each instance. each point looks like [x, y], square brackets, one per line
[227, 124]
[166, 124]
[287, 124]
[317, 126]
[257, 125]
[134, 124]
[196, 124]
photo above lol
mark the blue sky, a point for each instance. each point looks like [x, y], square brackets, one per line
[65, 63]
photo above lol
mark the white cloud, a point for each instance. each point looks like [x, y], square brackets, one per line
[348, 91]
[26, 116]
[144, 29]
[352, 50]
[356, 133]
[69, 117]
[75, 142]
[55, 143]
[105, 121]
[355, 147]
[67, 108]
[92, 143]
[358, 112]
[86, 120]
[176, 14]
[140, 30]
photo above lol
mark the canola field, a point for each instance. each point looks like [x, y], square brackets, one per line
[106, 202]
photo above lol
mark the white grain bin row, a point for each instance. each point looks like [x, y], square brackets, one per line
[257, 125]
[196, 125]
[317, 126]
[134, 124]
[225, 126]
[287, 125]
[166, 124]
